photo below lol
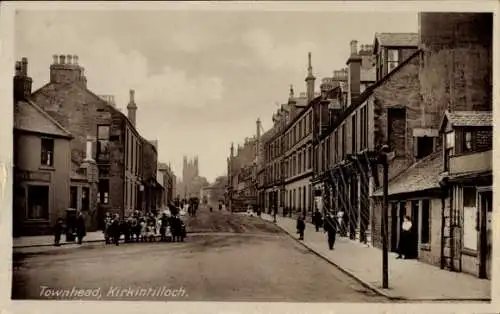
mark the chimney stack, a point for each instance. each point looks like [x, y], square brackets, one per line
[354, 73]
[22, 82]
[65, 70]
[132, 108]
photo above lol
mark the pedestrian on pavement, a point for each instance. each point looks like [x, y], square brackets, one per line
[275, 212]
[340, 223]
[318, 220]
[58, 230]
[80, 228]
[301, 227]
[107, 227]
[330, 227]
[116, 230]
[405, 238]
[220, 207]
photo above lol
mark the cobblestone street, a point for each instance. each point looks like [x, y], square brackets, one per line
[243, 259]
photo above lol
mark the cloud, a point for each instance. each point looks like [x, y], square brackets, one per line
[278, 55]
[113, 70]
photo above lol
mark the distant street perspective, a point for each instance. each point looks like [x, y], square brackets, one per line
[229, 257]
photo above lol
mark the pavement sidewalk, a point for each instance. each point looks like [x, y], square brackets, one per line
[48, 240]
[408, 279]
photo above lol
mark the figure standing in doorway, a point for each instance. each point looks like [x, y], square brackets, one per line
[405, 238]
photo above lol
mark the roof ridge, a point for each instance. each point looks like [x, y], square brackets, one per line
[48, 116]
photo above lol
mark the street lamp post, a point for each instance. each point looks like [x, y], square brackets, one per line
[385, 217]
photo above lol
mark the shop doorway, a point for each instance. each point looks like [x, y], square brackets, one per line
[486, 211]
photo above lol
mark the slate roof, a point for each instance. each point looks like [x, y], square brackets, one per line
[28, 116]
[470, 118]
[423, 175]
[397, 39]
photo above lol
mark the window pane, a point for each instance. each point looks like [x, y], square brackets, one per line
[392, 55]
[103, 132]
[469, 197]
[73, 197]
[450, 139]
[47, 152]
[38, 202]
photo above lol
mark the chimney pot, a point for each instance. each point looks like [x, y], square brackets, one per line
[18, 68]
[75, 59]
[24, 66]
[69, 59]
[132, 93]
[62, 59]
[55, 59]
[354, 47]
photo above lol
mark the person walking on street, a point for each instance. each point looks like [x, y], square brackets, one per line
[404, 239]
[80, 228]
[107, 228]
[330, 227]
[275, 213]
[58, 230]
[318, 219]
[115, 230]
[340, 223]
[301, 227]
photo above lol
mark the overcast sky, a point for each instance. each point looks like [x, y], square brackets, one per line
[201, 78]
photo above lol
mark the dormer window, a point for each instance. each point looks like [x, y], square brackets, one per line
[467, 146]
[392, 59]
[449, 149]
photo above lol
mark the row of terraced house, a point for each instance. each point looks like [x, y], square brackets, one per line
[422, 99]
[76, 151]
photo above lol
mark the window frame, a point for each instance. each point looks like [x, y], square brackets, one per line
[28, 203]
[390, 62]
[103, 155]
[45, 153]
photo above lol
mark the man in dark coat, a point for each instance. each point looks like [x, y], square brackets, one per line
[330, 227]
[301, 227]
[116, 229]
[80, 228]
[318, 219]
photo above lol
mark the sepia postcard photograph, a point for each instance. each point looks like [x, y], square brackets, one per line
[249, 156]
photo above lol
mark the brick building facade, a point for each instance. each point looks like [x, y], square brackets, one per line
[116, 144]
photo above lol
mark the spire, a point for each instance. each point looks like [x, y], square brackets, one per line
[310, 80]
[309, 68]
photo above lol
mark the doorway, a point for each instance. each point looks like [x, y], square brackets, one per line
[394, 227]
[486, 211]
[414, 229]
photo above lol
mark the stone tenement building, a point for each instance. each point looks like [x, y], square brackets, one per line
[102, 131]
[242, 175]
[169, 183]
[430, 106]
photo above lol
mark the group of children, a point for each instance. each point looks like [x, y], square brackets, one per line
[144, 228]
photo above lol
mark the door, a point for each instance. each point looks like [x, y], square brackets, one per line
[486, 211]
[401, 216]
[394, 227]
[414, 229]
